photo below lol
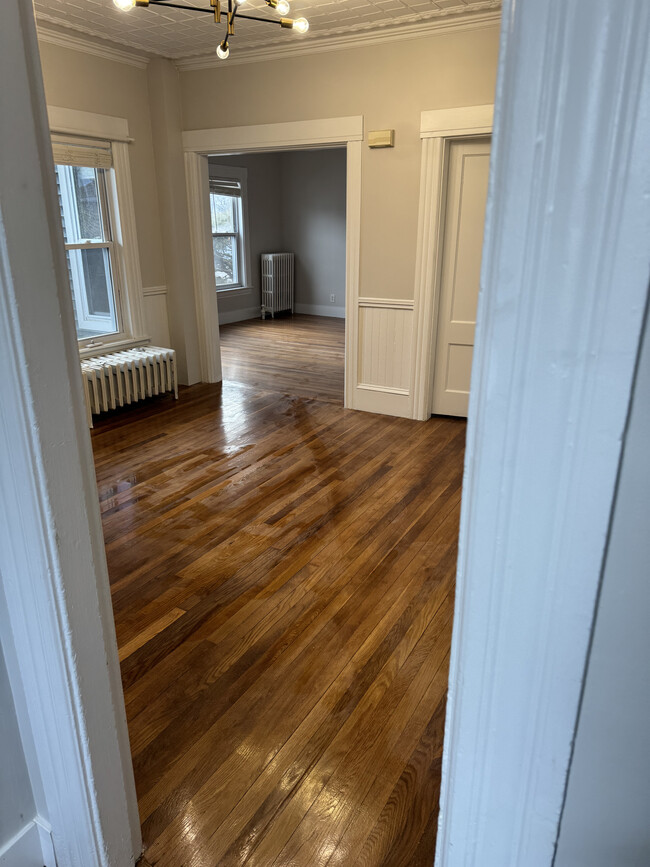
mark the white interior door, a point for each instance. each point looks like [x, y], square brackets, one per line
[467, 182]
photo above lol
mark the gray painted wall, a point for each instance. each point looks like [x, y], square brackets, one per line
[313, 227]
[16, 799]
[264, 224]
[296, 203]
[606, 820]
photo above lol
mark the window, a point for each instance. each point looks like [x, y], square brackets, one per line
[228, 237]
[86, 189]
[89, 248]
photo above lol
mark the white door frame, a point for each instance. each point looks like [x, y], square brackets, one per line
[564, 285]
[56, 619]
[325, 132]
[437, 130]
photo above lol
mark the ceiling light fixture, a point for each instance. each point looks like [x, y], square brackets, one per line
[301, 25]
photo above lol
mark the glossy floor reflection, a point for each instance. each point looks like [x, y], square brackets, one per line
[282, 575]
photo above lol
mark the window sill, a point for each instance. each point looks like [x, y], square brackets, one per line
[112, 346]
[236, 290]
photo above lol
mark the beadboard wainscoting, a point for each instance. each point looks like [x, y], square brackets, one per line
[384, 356]
[156, 323]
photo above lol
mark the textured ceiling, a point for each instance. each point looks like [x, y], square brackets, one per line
[177, 34]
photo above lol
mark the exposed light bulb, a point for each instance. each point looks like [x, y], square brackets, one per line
[301, 25]
[283, 7]
[223, 50]
[124, 5]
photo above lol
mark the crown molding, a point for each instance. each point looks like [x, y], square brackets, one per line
[475, 21]
[76, 42]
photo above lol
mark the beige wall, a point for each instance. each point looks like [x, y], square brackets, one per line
[313, 227]
[84, 82]
[390, 85]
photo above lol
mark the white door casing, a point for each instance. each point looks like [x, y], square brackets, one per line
[325, 132]
[462, 245]
[57, 623]
[437, 130]
[564, 285]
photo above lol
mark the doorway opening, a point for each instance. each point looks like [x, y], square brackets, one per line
[278, 223]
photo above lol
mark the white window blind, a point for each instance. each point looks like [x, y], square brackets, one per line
[96, 154]
[225, 186]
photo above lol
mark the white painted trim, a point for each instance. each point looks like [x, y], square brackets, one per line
[320, 310]
[127, 237]
[71, 121]
[62, 657]
[30, 847]
[428, 259]
[226, 317]
[205, 295]
[278, 136]
[101, 347]
[76, 42]
[387, 303]
[349, 41]
[300, 133]
[24, 849]
[234, 293]
[438, 129]
[382, 402]
[154, 290]
[456, 122]
[352, 264]
[383, 388]
[47, 845]
[116, 130]
[563, 293]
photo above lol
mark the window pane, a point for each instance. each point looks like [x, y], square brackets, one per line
[80, 203]
[92, 292]
[225, 260]
[223, 215]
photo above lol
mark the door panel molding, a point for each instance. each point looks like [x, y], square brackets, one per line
[462, 236]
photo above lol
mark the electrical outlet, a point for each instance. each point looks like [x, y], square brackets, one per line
[333, 299]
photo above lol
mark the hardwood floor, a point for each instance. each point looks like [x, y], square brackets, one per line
[282, 574]
[300, 355]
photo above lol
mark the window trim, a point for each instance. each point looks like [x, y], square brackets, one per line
[239, 173]
[75, 125]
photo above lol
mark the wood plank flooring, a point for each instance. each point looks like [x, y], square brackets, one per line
[299, 355]
[282, 574]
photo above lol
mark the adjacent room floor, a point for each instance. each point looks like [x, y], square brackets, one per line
[300, 355]
[282, 574]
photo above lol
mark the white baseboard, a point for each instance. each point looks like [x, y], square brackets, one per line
[228, 316]
[31, 847]
[321, 310]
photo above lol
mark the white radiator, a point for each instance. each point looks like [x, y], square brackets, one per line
[277, 283]
[124, 377]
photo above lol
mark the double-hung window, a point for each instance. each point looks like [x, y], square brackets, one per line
[228, 243]
[84, 183]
